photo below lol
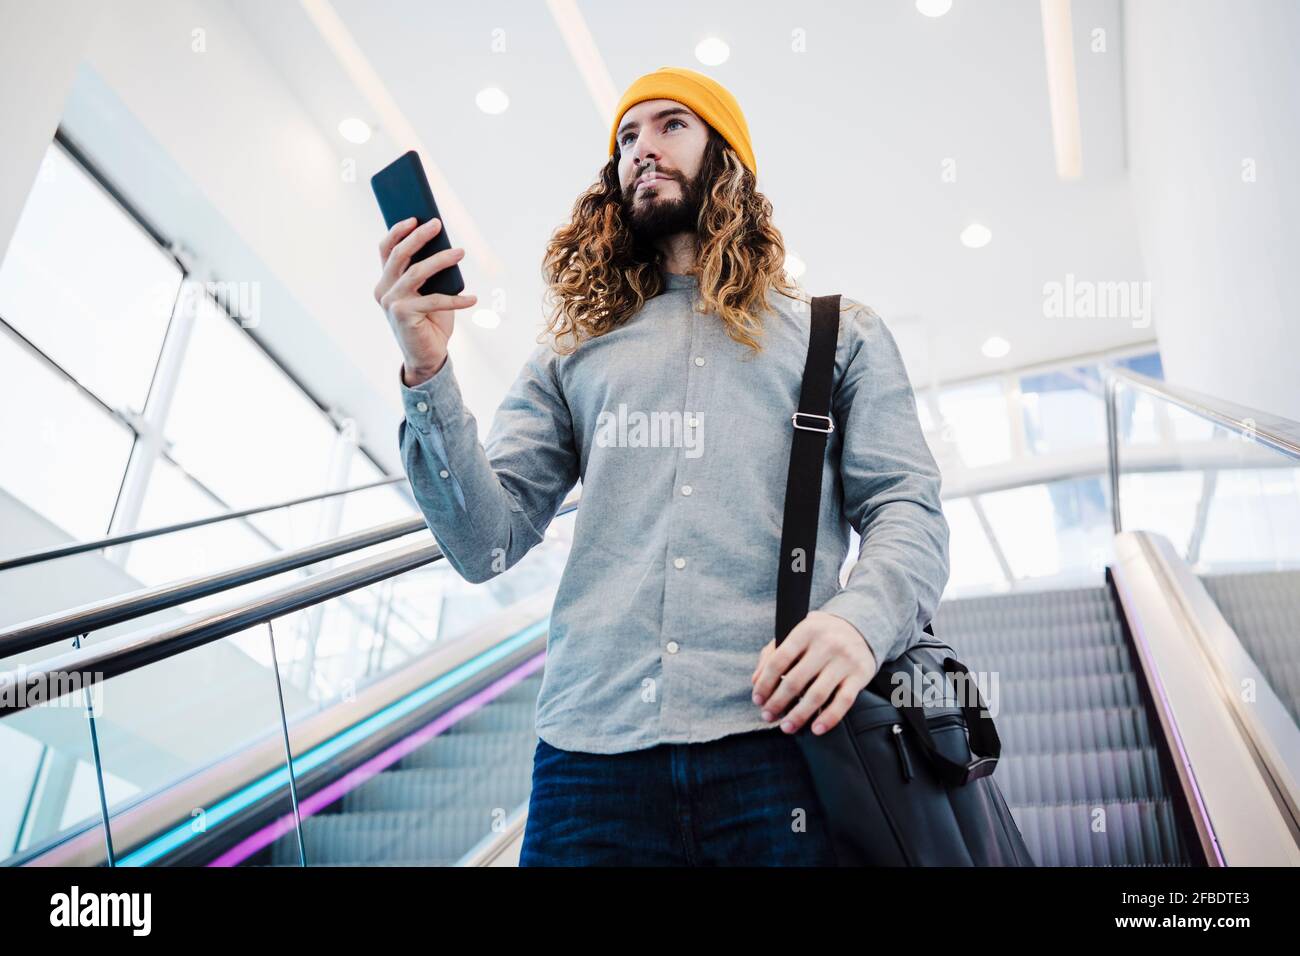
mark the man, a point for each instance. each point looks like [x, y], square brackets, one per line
[667, 383]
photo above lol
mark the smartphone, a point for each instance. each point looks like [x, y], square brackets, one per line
[403, 191]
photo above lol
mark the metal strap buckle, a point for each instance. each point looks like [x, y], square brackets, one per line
[830, 425]
[979, 767]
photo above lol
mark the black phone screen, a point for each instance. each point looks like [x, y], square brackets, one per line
[403, 191]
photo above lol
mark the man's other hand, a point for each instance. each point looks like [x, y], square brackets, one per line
[822, 665]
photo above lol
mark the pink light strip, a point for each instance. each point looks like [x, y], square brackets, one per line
[322, 798]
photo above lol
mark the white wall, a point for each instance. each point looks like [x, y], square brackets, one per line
[43, 43]
[1213, 84]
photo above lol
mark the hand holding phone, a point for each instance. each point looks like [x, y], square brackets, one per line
[421, 285]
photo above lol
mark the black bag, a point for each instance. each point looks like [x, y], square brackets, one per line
[904, 780]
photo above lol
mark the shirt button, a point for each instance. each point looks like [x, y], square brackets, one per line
[444, 473]
[422, 406]
[672, 647]
[686, 489]
[699, 360]
[679, 562]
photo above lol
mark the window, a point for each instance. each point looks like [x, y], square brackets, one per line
[80, 348]
[87, 286]
[64, 455]
[1254, 519]
[1162, 501]
[1147, 364]
[175, 497]
[1061, 527]
[977, 416]
[1062, 410]
[365, 509]
[244, 429]
[972, 564]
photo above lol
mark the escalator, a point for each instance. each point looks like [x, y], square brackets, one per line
[1085, 768]
[1078, 742]
[400, 743]
[1264, 609]
[437, 804]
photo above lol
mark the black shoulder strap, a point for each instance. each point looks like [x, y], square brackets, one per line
[811, 425]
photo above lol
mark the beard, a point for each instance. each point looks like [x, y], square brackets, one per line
[654, 217]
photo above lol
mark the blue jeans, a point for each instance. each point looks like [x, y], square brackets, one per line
[742, 800]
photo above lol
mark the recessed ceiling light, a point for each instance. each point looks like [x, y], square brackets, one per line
[492, 100]
[934, 8]
[354, 130]
[794, 266]
[711, 51]
[486, 318]
[976, 236]
[996, 347]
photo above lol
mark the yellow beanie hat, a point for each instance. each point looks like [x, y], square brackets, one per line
[706, 96]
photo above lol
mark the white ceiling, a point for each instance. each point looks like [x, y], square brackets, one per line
[851, 136]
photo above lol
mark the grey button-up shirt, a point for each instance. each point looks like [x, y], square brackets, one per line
[681, 438]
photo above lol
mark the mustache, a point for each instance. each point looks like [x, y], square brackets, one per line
[630, 189]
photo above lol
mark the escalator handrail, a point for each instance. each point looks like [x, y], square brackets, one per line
[1276, 431]
[120, 655]
[64, 625]
[98, 544]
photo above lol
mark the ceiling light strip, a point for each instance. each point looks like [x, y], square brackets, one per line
[586, 56]
[1062, 88]
[340, 41]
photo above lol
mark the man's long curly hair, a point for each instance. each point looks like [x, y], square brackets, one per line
[599, 274]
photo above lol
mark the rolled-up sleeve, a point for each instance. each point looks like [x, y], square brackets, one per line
[891, 497]
[489, 503]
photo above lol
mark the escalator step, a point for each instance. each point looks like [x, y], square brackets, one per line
[1263, 607]
[1079, 765]
[520, 716]
[1097, 776]
[439, 788]
[1131, 833]
[1050, 609]
[445, 861]
[1097, 728]
[389, 836]
[1048, 663]
[1045, 696]
[525, 691]
[473, 750]
[1096, 598]
[1026, 632]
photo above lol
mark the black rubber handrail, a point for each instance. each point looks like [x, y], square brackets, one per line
[81, 547]
[86, 666]
[64, 625]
